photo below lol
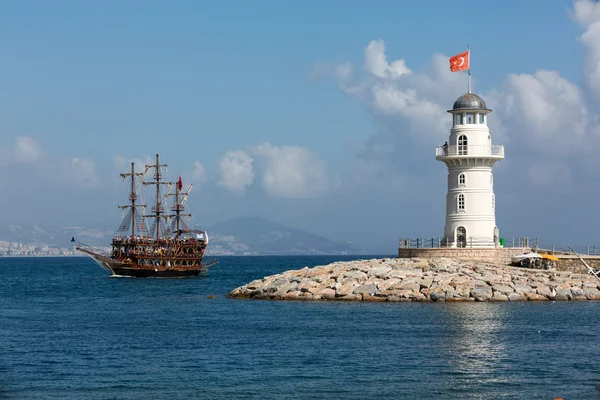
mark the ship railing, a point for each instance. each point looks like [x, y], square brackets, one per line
[149, 240]
[165, 256]
[469, 150]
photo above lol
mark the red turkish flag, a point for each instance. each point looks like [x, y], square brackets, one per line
[180, 184]
[459, 62]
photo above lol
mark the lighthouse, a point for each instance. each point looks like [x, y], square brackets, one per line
[470, 157]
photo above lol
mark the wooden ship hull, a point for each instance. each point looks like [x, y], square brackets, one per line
[169, 248]
[138, 271]
[148, 268]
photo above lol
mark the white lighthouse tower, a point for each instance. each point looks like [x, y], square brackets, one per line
[470, 156]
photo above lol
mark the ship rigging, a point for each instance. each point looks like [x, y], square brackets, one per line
[169, 248]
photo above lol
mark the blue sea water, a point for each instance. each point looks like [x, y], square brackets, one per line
[67, 330]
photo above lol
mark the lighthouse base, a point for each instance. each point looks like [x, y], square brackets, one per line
[471, 243]
[500, 255]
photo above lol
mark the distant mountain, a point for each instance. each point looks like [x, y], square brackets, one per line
[238, 236]
[250, 235]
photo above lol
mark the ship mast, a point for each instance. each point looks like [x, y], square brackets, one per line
[132, 195]
[157, 209]
[177, 208]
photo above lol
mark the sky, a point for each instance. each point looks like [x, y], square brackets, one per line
[319, 115]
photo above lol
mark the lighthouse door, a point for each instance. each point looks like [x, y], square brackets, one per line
[461, 237]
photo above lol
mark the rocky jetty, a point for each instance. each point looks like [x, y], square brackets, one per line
[442, 279]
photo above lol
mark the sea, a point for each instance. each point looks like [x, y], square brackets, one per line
[69, 331]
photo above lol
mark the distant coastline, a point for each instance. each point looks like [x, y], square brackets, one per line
[40, 255]
[209, 255]
[238, 236]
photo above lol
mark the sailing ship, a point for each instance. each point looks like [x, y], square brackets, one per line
[168, 248]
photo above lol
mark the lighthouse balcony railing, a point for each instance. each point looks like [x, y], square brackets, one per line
[441, 242]
[469, 150]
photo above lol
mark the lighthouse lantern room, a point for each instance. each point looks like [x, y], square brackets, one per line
[470, 156]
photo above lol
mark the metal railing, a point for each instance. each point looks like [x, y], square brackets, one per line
[469, 150]
[439, 242]
[534, 243]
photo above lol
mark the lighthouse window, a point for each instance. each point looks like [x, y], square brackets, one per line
[481, 118]
[461, 202]
[462, 180]
[462, 145]
[470, 118]
[458, 119]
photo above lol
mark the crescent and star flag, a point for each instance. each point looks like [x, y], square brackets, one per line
[180, 184]
[459, 62]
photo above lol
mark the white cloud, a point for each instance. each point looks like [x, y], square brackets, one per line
[409, 107]
[283, 171]
[79, 172]
[586, 14]
[551, 120]
[413, 102]
[548, 112]
[547, 115]
[27, 150]
[291, 171]
[199, 174]
[236, 171]
[376, 62]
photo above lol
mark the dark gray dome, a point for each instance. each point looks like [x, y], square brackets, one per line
[469, 101]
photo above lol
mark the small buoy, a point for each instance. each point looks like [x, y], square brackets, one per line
[212, 296]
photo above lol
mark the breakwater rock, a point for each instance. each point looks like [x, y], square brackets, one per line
[442, 279]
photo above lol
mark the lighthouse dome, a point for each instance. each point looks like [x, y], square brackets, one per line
[469, 101]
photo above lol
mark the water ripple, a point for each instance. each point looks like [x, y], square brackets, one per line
[69, 331]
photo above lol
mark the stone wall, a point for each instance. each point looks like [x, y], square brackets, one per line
[498, 255]
[573, 263]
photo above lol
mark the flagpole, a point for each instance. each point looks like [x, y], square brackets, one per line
[469, 55]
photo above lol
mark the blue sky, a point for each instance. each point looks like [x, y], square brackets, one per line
[277, 103]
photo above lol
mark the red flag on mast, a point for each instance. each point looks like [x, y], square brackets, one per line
[460, 62]
[179, 184]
